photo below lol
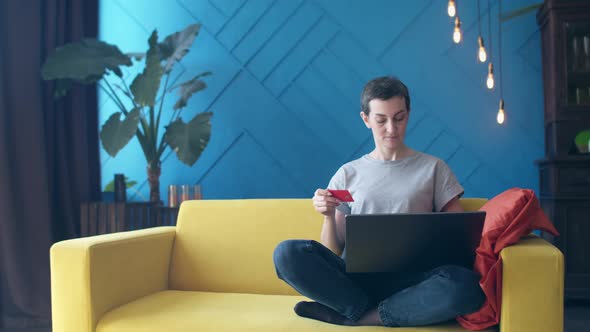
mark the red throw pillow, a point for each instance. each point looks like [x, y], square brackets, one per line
[509, 216]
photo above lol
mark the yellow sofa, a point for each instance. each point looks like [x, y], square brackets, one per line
[214, 272]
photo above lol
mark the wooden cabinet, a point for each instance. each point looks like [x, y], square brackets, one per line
[565, 197]
[565, 170]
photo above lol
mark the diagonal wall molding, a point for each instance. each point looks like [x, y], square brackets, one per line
[287, 80]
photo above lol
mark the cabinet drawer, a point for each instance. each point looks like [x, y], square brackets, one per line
[574, 180]
[565, 177]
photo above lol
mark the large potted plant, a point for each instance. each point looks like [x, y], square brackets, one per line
[94, 61]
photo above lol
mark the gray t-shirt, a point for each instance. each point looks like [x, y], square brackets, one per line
[419, 183]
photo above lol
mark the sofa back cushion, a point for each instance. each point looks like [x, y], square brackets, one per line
[472, 204]
[227, 245]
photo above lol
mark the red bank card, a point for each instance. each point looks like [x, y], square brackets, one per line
[343, 195]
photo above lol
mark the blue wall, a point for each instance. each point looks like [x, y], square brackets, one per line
[287, 79]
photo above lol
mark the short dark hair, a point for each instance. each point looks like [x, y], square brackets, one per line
[384, 88]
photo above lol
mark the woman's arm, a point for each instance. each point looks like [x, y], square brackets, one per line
[453, 206]
[325, 204]
[332, 236]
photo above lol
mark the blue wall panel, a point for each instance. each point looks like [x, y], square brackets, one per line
[463, 160]
[355, 56]
[287, 77]
[242, 22]
[344, 78]
[287, 37]
[300, 56]
[201, 11]
[445, 145]
[276, 16]
[332, 102]
[375, 22]
[321, 123]
[228, 7]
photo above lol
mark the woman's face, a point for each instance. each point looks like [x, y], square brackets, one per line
[387, 120]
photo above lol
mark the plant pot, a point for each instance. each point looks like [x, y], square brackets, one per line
[154, 171]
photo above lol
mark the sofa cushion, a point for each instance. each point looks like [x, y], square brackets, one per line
[227, 245]
[177, 311]
[472, 204]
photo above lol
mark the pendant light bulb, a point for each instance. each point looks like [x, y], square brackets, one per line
[457, 31]
[457, 35]
[452, 9]
[490, 80]
[500, 117]
[481, 54]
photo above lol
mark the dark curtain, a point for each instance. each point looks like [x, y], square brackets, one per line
[49, 159]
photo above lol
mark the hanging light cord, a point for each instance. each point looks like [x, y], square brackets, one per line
[478, 19]
[490, 29]
[500, 47]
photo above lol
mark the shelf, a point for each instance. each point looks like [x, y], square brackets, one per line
[110, 217]
[579, 88]
[570, 159]
[579, 77]
[577, 108]
[576, 115]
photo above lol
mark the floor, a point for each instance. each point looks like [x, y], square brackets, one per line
[577, 319]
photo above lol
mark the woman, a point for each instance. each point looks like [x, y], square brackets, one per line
[391, 179]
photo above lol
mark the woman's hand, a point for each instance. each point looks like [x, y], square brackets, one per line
[324, 202]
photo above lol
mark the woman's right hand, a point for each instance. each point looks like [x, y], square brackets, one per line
[324, 202]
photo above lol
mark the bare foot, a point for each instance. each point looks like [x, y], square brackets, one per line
[318, 311]
[370, 318]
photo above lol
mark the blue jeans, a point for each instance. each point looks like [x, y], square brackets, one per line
[412, 299]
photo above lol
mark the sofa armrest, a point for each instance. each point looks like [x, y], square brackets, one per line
[532, 287]
[90, 276]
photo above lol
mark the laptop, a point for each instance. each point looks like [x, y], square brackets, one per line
[411, 242]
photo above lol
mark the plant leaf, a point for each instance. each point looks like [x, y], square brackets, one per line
[62, 86]
[123, 91]
[176, 46]
[189, 140]
[110, 187]
[188, 88]
[115, 134]
[85, 61]
[145, 86]
[138, 56]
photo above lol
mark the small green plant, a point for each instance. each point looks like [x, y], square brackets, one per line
[94, 61]
[110, 187]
